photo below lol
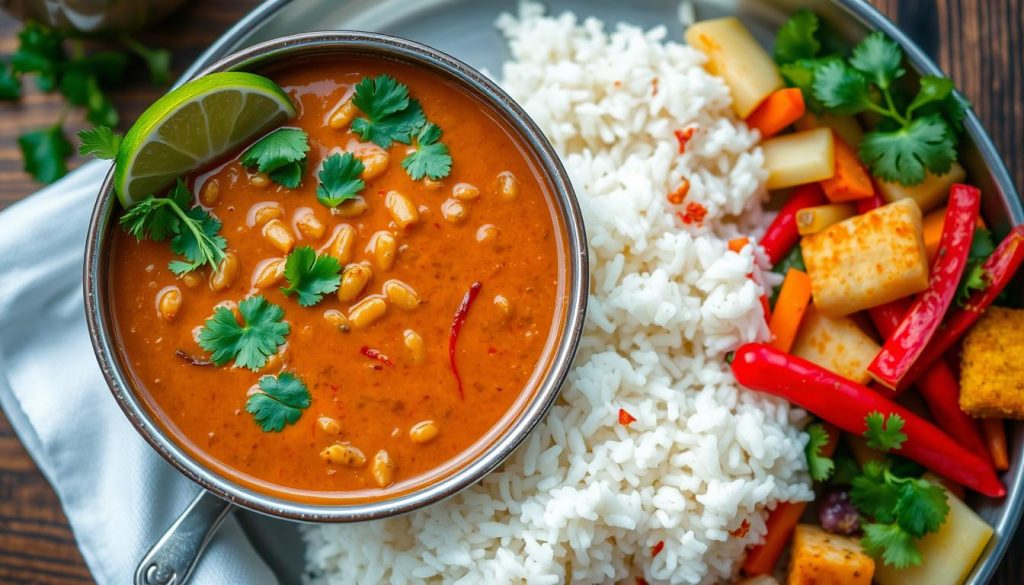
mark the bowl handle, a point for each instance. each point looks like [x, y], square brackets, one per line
[172, 558]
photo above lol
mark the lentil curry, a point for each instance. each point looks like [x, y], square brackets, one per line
[433, 319]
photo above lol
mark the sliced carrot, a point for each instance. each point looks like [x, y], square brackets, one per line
[793, 299]
[737, 244]
[777, 111]
[932, 226]
[995, 435]
[851, 180]
[761, 559]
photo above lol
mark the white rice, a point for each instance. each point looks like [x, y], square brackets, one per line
[586, 498]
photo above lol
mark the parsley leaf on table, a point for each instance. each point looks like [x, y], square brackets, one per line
[250, 343]
[101, 142]
[339, 179]
[310, 276]
[10, 84]
[44, 153]
[281, 154]
[431, 158]
[884, 434]
[279, 401]
[975, 278]
[391, 116]
[819, 466]
[795, 39]
[40, 51]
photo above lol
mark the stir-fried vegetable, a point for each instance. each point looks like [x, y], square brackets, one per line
[782, 234]
[798, 158]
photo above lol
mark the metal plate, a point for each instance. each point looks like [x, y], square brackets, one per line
[464, 28]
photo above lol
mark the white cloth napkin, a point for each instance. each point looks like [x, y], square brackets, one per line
[118, 494]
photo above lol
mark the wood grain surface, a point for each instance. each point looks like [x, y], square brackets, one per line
[979, 43]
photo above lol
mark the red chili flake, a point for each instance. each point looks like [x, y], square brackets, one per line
[625, 418]
[684, 136]
[374, 354]
[457, 322]
[676, 197]
[694, 213]
[742, 530]
[657, 548]
[492, 350]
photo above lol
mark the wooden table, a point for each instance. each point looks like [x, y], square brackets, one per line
[977, 42]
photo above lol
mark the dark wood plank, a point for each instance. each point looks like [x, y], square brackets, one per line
[977, 42]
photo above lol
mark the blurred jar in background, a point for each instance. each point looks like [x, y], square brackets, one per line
[92, 16]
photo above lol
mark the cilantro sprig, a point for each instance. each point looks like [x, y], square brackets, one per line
[431, 158]
[193, 232]
[339, 179]
[310, 276]
[279, 402]
[390, 114]
[884, 433]
[819, 466]
[259, 335]
[916, 135]
[975, 278]
[281, 154]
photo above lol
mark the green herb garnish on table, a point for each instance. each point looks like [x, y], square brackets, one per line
[309, 276]
[279, 401]
[259, 335]
[281, 154]
[339, 179]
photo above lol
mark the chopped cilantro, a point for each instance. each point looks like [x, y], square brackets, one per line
[310, 276]
[44, 153]
[879, 58]
[431, 158]
[882, 433]
[339, 179]
[840, 87]
[819, 466]
[192, 230]
[281, 154]
[279, 401]
[250, 343]
[975, 277]
[101, 142]
[391, 116]
[796, 38]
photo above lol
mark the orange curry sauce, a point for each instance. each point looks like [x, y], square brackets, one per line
[503, 351]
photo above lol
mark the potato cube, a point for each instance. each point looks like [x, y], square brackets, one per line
[736, 56]
[798, 158]
[836, 344]
[867, 260]
[929, 194]
[947, 555]
[820, 558]
[847, 127]
[992, 365]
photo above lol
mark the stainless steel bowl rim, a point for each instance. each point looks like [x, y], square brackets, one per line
[353, 42]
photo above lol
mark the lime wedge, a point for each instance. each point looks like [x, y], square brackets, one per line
[194, 125]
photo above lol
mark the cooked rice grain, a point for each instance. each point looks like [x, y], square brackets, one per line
[585, 499]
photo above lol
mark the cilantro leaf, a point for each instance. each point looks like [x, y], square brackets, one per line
[795, 39]
[310, 276]
[933, 89]
[391, 116]
[279, 401]
[40, 51]
[922, 507]
[198, 241]
[158, 61]
[278, 149]
[101, 142]
[250, 343]
[431, 158]
[903, 155]
[45, 153]
[290, 175]
[890, 542]
[819, 466]
[840, 87]
[879, 58]
[873, 494]
[10, 84]
[882, 433]
[339, 179]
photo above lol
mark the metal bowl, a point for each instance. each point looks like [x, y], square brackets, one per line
[482, 458]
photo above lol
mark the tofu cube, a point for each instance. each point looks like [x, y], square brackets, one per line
[867, 260]
[929, 194]
[820, 558]
[992, 365]
[736, 56]
[836, 344]
[798, 158]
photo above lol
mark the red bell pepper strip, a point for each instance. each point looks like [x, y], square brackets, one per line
[781, 235]
[846, 404]
[938, 386]
[905, 345]
[873, 202]
[999, 270]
